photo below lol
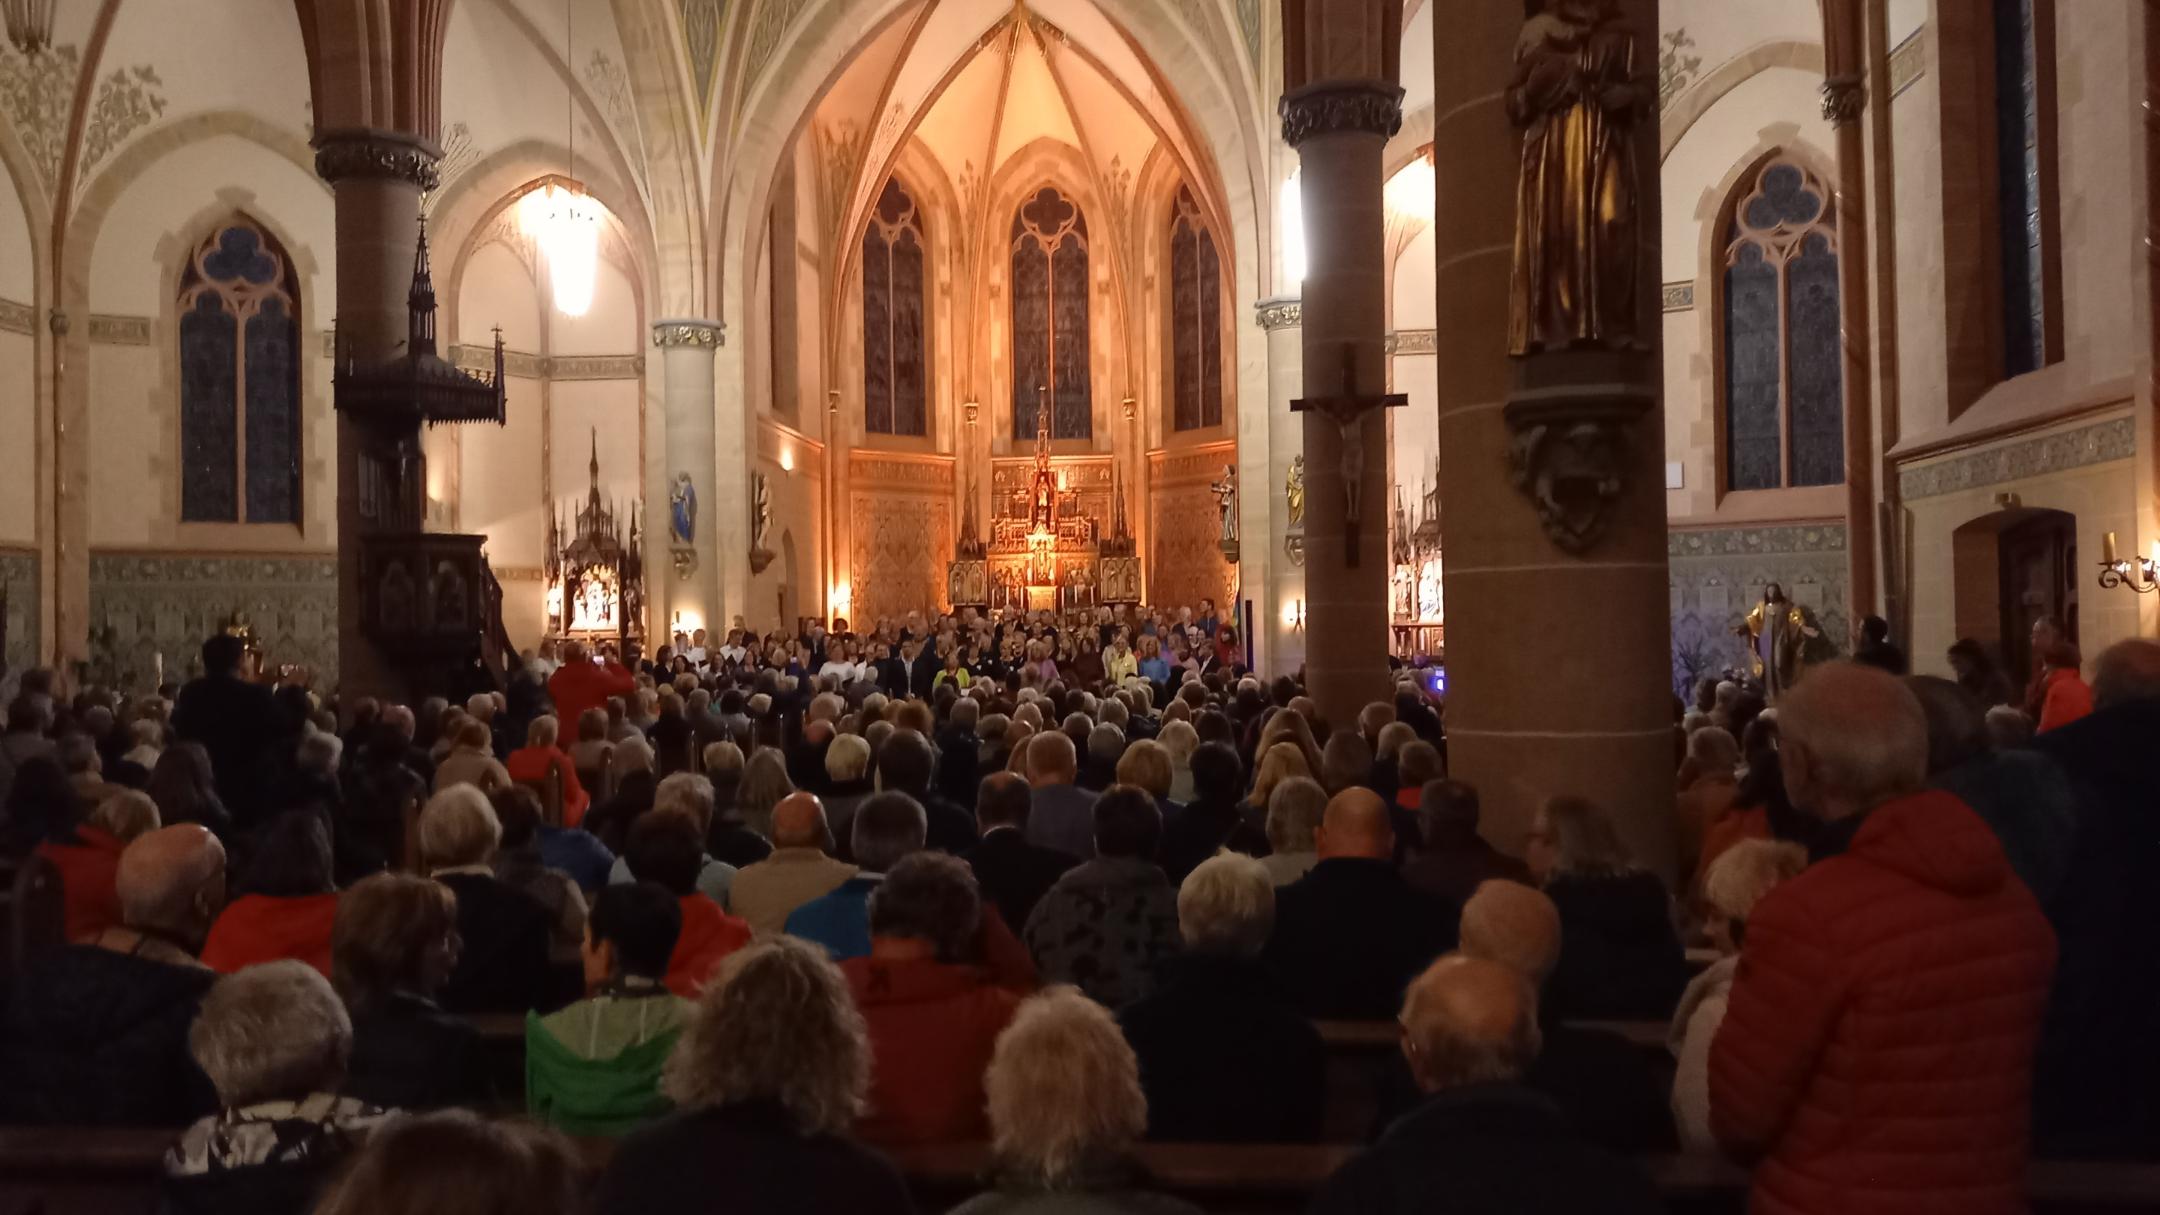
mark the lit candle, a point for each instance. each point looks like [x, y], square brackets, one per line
[2107, 549]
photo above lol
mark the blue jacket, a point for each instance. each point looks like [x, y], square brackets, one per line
[839, 921]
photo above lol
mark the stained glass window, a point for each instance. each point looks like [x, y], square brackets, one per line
[1783, 373]
[239, 381]
[1196, 388]
[2018, 148]
[1050, 317]
[895, 383]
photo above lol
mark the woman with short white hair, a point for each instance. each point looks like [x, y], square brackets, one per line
[768, 1075]
[273, 1040]
[504, 966]
[1066, 1107]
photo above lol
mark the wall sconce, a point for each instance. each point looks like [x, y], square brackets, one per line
[787, 459]
[2140, 574]
[1294, 615]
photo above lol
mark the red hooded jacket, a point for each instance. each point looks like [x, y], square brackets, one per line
[932, 1028]
[709, 935]
[579, 686]
[1877, 1052]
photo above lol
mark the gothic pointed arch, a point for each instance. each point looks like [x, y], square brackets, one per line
[1050, 321]
[239, 335]
[1196, 310]
[895, 316]
[1781, 391]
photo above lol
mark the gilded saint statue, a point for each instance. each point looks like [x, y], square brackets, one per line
[1576, 96]
[1294, 490]
[1782, 639]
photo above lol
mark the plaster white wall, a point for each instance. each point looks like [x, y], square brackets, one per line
[18, 404]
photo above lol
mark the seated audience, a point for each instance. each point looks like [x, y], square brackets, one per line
[1878, 1039]
[907, 764]
[1224, 1056]
[1620, 958]
[1106, 924]
[1709, 781]
[635, 784]
[540, 758]
[84, 847]
[2022, 795]
[95, 1033]
[730, 840]
[887, 827]
[1604, 1085]
[1280, 762]
[1351, 933]
[800, 870]
[592, 751]
[504, 964]
[847, 786]
[472, 761]
[1211, 821]
[932, 1019]
[520, 865]
[1483, 1138]
[690, 796]
[392, 950]
[764, 784]
[1060, 813]
[770, 1072]
[456, 1163]
[1732, 887]
[594, 1067]
[1066, 1108]
[1293, 817]
[665, 850]
[380, 786]
[273, 1039]
[2064, 696]
[291, 903]
[181, 786]
[1454, 859]
[1014, 873]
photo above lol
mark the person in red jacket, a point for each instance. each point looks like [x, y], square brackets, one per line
[666, 848]
[540, 755]
[2065, 697]
[290, 907]
[933, 1022]
[583, 684]
[1877, 1050]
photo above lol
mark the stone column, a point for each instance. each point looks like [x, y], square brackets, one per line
[1559, 670]
[693, 572]
[376, 178]
[1844, 94]
[1282, 638]
[1339, 128]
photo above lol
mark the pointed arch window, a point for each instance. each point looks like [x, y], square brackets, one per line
[1050, 316]
[239, 380]
[896, 388]
[1196, 387]
[1783, 375]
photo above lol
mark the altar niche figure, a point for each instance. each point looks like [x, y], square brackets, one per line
[1576, 96]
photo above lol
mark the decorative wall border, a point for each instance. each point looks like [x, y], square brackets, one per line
[19, 578]
[17, 318]
[1678, 297]
[2102, 443]
[526, 366]
[1908, 62]
[1699, 543]
[1413, 341]
[112, 330]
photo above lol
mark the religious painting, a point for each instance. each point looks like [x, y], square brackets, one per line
[1051, 349]
[895, 375]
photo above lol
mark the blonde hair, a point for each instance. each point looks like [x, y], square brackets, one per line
[126, 816]
[723, 756]
[1745, 872]
[1147, 764]
[1278, 763]
[1064, 1090]
[1180, 739]
[847, 758]
[777, 1023]
[1393, 737]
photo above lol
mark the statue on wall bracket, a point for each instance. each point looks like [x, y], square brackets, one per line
[1582, 374]
[1294, 498]
[682, 509]
[760, 522]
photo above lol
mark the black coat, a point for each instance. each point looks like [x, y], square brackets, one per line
[2096, 1078]
[1013, 873]
[1489, 1149]
[1224, 1056]
[97, 1038]
[237, 722]
[504, 965]
[1351, 934]
[1201, 829]
[952, 829]
[1620, 959]
[747, 1156]
[407, 1054]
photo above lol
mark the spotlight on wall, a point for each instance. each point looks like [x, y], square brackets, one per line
[787, 459]
[564, 221]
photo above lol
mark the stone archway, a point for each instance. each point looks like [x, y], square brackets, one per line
[2010, 568]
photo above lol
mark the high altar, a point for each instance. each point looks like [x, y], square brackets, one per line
[1048, 549]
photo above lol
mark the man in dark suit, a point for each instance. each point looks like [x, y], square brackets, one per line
[906, 764]
[235, 721]
[1351, 933]
[1013, 873]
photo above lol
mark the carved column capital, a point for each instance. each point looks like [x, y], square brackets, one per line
[1287, 312]
[1329, 107]
[1844, 98]
[366, 152]
[708, 335]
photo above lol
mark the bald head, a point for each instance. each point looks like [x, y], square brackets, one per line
[1514, 925]
[172, 881]
[1356, 824]
[1469, 1021]
[798, 821]
[2127, 671]
[1849, 739]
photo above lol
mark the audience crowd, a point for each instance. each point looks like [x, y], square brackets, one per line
[773, 909]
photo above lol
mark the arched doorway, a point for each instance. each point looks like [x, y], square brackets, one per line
[2014, 567]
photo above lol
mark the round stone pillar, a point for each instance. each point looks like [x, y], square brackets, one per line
[1340, 128]
[690, 478]
[1559, 653]
[376, 178]
[1282, 632]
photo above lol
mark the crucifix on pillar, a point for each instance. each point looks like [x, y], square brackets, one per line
[1347, 411]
